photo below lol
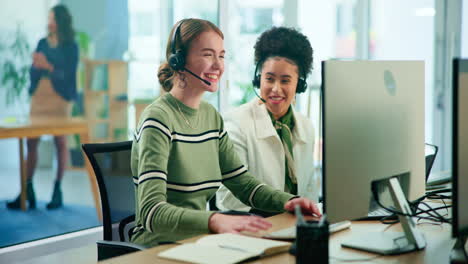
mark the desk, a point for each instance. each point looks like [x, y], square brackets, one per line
[56, 127]
[439, 245]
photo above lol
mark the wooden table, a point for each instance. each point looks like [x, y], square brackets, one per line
[439, 245]
[50, 126]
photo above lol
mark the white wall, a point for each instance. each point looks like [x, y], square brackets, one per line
[106, 22]
[464, 35]
[317, 20]
[31, 20]
[404, 32]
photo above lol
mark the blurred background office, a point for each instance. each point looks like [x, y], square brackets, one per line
[122, 44]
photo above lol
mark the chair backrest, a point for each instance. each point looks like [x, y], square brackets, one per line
[111, 165]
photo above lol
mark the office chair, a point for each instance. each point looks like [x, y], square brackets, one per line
[111, 165]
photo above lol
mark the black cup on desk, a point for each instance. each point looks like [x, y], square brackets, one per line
[311, 240]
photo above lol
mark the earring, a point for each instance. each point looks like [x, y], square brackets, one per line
[182, 82]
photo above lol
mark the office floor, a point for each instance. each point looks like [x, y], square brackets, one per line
[75, 185]
[81, 255]
[78, 213]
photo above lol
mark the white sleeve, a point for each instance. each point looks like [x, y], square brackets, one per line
[225, 200]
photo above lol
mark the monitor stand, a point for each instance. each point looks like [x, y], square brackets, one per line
[392, 243]
[459, 254]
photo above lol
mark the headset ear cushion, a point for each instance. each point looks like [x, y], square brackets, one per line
[256, 81]
[177, 60]
[301, 86]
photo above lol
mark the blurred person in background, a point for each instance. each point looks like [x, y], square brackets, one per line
[52, 90]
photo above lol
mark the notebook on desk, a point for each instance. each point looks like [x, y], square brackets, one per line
[225, 248]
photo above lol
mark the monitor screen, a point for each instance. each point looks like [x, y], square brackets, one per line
[460, 148]
[373, 129]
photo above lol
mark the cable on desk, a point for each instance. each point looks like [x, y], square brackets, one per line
[432, 218]
[445, 206]
[389, 220]
[389, 226]
[433, 214]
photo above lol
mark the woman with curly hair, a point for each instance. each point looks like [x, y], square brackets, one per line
[273, 140]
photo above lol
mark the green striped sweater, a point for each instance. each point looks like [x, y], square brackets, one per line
[177, 169]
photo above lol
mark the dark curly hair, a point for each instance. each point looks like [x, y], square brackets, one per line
[288, 43]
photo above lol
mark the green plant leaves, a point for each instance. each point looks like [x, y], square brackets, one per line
[15, 65]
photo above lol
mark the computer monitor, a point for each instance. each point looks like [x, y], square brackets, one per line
[459, 160]
[373, 129]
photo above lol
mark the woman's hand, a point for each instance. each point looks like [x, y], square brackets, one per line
[220, 223]
[308, 207]
[40, 61]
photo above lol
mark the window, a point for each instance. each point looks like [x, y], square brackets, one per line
[404, 30]
[464, 33]
[144, 48]
[246, 21]
[150, 24]
[331, 29]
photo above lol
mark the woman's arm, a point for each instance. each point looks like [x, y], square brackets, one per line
[36, 73]
[254, 193]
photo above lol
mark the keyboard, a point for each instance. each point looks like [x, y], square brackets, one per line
[290, 232]
[380, 212]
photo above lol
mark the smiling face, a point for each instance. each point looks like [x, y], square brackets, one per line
[278, 84]
[205, 58]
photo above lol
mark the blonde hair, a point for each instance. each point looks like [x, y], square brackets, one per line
[190, 29]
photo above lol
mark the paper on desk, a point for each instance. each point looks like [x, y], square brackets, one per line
[205, 254]
[224, 248]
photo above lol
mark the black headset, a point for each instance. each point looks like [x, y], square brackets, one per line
[301, 83]
[177, 58]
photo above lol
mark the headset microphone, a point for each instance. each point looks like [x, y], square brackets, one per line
[256, 83]
[255, 91]
[196, 76]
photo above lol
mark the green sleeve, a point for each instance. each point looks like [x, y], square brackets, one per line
[244, 186]
[153, 142]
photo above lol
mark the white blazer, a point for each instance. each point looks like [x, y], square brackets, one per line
[260, 149]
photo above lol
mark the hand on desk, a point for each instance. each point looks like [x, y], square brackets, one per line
[220, 223]
[308, 207]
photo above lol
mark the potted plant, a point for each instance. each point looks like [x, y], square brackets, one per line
[14, 69]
